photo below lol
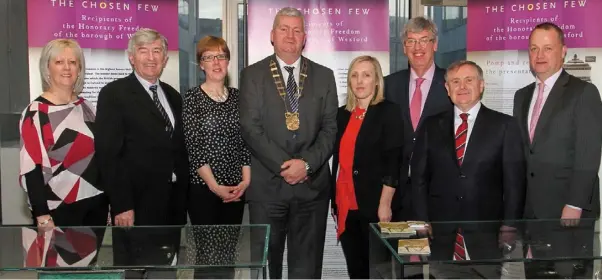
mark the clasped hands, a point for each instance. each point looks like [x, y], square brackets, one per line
[230, 193]
[293, 171]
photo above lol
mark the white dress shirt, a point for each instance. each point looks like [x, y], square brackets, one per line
[162, 99]
[296, 71]
[424, 87]
[549, 83]
[472, 117]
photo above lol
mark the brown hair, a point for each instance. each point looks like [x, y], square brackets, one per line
[550, 26]
[210, 43]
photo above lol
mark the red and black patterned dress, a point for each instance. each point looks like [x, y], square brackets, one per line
[58, 169]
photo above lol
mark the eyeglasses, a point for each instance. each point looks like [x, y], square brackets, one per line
[410, 43]
[208, 58]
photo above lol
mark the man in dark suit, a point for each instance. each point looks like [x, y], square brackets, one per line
[559, 117]
[419, 91]
[288, 107]
[142, 156]
[468, 165]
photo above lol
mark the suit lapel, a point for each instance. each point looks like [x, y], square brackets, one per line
[431, 98]
[405, 96]
[524, 118]
[143, 97]
[550, 105]
[364, 129]
[449, 134]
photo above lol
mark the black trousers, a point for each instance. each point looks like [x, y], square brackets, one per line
[90, 212]
[214, 245]
[302, 224]
[355, 244]
[549, 240]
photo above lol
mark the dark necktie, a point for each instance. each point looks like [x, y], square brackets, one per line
[461, 135]
[168, 126]
[291, 89]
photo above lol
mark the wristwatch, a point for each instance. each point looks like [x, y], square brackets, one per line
[307, 167]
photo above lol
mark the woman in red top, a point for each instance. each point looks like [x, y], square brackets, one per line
[366, 162]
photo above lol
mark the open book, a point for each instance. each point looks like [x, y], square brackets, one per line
[414, 247]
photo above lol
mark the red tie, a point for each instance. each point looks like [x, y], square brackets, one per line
[461, 135]
[416, 103]
[459, 247]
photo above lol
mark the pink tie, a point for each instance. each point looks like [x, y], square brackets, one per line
[416, 104]
[536, 111]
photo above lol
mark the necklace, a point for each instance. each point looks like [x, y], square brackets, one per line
[362, 115]
[217, 96]
[291, 118]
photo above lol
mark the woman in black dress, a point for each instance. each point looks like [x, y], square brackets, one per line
[220, 169]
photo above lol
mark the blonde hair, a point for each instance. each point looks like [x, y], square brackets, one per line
[54, 48]
[379, 94]
[146, 36]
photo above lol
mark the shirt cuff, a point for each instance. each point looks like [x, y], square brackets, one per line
[574, 207]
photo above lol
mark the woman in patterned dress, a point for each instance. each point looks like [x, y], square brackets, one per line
[219, 159]
[57, 164]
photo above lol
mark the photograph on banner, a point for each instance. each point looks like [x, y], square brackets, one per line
[337, 32]
[499, 42]
[102, 29]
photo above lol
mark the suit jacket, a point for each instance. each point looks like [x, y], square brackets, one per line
[271, 143]
[377, 157]
[488, 186]
[564, 158]
[397, 90]
[137, 156]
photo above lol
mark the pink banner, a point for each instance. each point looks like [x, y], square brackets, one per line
[100, 24]
[331, 25]
[506, 24]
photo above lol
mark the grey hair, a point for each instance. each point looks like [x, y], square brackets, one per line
[456, 65]
[419, 24]
[54, 48]
[146, 36]
[289, 12]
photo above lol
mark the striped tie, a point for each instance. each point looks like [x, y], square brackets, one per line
[168, 125]
[459, 247]
[461, 135]
[291, 89]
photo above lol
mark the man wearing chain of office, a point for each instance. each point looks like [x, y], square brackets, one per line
[288, 107]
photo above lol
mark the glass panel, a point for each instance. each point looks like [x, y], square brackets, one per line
[451, 22]
[167, 247]
[550, 241]
[399, 13]
[197, 19]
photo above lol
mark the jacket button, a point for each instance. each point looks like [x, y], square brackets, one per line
[531, 152]
[532, 174]
[460, 197]
[462, 176]
[355, 172]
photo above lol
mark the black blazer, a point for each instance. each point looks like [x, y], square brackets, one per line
[137, 157]
[488, 186]
[397, 90]
[564, 158]
[377, 157]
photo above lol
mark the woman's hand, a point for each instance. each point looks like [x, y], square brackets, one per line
[45, 223]
[240, 190]
[226, 193]
[384, 213]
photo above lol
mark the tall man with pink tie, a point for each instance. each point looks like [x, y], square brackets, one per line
[420, 92]
[560, 118]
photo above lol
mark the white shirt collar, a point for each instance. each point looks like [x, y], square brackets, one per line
[295, 64]
[472, 113]
[549, 82]
[146, 84]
